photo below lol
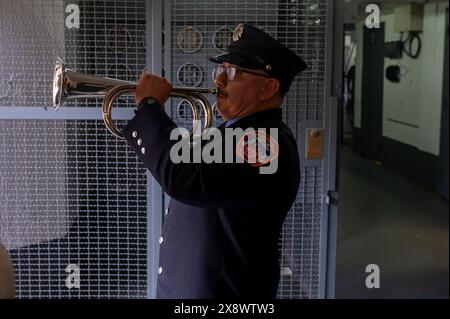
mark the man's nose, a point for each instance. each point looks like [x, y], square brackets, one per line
[221, 80]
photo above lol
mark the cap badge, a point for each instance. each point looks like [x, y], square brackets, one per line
[237, 33]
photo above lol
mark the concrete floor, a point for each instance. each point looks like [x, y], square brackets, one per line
[386, 220]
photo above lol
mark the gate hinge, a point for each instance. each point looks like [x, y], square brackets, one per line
[332, 198]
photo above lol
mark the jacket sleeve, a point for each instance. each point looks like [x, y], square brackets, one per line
[215, 185]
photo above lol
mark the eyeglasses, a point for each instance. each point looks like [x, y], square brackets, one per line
[231, 72]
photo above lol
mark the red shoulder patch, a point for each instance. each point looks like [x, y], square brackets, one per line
[257, 148]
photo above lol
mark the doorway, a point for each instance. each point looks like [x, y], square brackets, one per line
[369, 140]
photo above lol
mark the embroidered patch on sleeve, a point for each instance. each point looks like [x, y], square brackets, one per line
[257, 148]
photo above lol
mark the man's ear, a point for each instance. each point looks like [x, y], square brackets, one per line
[270, 89]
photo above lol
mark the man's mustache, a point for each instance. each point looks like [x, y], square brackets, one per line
[221, 93]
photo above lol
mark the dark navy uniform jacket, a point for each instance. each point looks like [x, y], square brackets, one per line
[220, 237]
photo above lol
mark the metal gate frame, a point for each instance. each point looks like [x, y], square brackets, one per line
[41, 112]
[154, 220]
[332, 109]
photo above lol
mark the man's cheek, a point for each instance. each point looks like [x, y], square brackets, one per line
[224, 104]
[219, 105]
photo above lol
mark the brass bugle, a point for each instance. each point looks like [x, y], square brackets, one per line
[69, 84]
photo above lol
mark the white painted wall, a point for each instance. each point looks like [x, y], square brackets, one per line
[401, 101]
[428, 138]
[417, 100]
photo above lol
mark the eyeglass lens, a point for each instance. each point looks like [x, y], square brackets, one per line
[230, 72]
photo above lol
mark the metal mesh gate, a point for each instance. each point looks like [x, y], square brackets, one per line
[70, 193]
[197, 29]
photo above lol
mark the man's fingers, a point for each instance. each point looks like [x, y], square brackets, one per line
[152, 85]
